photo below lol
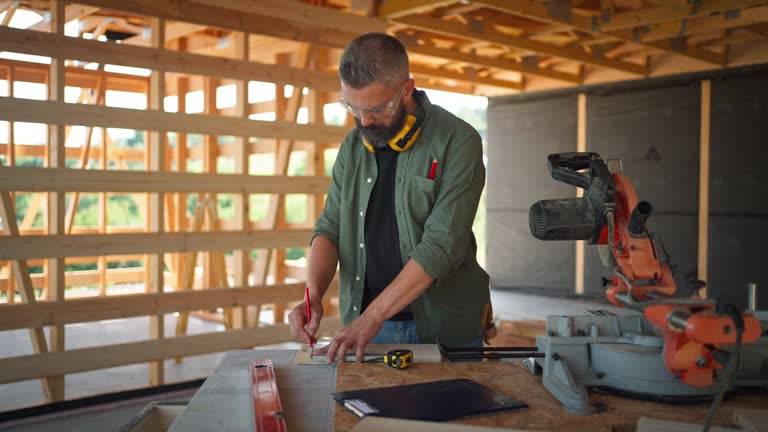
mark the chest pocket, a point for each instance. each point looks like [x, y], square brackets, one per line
[422, 193]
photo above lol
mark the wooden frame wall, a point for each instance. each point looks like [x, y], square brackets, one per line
[165, 237]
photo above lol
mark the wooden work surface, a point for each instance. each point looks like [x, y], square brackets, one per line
[544, 412]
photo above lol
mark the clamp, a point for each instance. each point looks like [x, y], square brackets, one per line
[399, 358]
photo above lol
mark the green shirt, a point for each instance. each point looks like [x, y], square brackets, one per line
[434, 221]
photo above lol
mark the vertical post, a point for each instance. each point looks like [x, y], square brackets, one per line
[156, 210]
[182, 86]
[706, 93]
[581, 146]
[56, 200]
[103, 197]
[11, 155]
[210, 156]
[240, 201]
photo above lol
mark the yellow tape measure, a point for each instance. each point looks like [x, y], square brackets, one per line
[399, 358]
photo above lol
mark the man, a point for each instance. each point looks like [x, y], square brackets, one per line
[398, 216]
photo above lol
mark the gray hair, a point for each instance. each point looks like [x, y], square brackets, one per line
[373, 57]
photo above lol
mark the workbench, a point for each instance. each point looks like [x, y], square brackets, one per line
[224, 402]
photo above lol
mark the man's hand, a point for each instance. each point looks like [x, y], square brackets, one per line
[354, 336]
[297, 319]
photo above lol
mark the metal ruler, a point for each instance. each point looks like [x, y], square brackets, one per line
[267, 408]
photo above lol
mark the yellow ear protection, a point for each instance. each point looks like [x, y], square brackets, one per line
[407, 135]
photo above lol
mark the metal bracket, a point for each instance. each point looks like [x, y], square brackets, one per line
[560, 9]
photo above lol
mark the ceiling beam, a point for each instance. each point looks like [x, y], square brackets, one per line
[537, 11]
[71, 13]
[465, 76]
[706, 24]
[173, 31]
[40, 43]
[237, 20]
[641, 17]
[434, 25]
[508, 65]
[301, 13]
[676, 4]
[398, 8]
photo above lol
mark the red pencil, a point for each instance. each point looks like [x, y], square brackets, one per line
[309, 317]
[433, 169]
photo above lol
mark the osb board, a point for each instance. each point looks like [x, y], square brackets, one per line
[544, 412]
[518, 333]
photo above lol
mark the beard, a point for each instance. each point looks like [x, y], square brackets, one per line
[379, 136]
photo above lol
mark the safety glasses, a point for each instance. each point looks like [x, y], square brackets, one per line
[378, 112]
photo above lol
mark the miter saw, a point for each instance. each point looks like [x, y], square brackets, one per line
[679, 348]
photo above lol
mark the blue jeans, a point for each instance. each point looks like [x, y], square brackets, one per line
[404, 332]
[397, 332]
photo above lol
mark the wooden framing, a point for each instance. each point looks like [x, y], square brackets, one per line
[66, 180]
[20, 270]
[581, 146]
[398, 8]
[529, 9]
[156, 212]
[301, 14]
[434, 25]
[56, 203]
[61, 113]
[30, 42]
[59, 247]
[135, 305]
[241, 269]
[502, 64]
[235, 20]
[704, 135]
[85, 359]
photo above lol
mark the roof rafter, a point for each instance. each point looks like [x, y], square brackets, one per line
[537, 11]
[489, 35]
[173, 31]
[300, 13]
[510, 65]
[10, 11]
[236, 20]
[71, 13]
[398, 8]
[627, 20]
[464, 76]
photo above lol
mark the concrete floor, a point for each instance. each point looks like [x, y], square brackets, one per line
[507, 305]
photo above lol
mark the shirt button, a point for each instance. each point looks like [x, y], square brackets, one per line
[362, 245]
[357, 278]
[354, 308]
[361, 213]
[369, 180]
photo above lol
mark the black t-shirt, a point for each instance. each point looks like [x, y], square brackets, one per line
[382, 241]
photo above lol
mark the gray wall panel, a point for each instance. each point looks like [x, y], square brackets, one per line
[656, 135]
[520, 136]
[738, 230]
